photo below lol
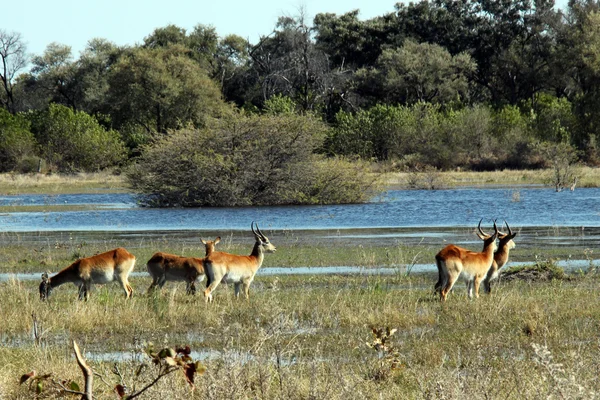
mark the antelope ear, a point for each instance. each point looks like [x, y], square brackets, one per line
[218, 239]
[203, 241]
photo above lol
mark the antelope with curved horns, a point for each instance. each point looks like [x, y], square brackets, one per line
[236, 269]
[505, 243]
[453, 260]
[164, 267]
[101, 268]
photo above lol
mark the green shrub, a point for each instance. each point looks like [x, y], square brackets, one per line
[16, 140]
[247, 160]
[74, 141]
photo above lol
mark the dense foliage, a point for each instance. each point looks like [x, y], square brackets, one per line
[474, 84]
[247, 160]
[75, 141]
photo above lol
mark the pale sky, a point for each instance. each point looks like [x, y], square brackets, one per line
[127, 22]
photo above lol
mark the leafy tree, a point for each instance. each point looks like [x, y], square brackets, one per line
[394, 132]
[419, 73]
[16, 140]
[73, 140]
[351, 43]
[579, 47]
[54, 74]
[245, 160]
[161, 89]
[13, 58]
[165, 37]
[554, 120]
[512, 130]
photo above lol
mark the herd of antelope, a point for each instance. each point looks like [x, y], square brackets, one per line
[217, 267]
[117, 264]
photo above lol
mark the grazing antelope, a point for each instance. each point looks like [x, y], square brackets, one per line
[232, 268]
[101, 268]
[505, 243]
[453, 260]
[164, 267]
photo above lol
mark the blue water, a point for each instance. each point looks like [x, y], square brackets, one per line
[413, 208]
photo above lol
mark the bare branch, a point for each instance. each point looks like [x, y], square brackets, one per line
[87, 372]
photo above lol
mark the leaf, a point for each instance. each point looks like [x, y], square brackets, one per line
[167, 352]
[171, 361]
[74, 386]
[200, 368]
[39, 387]
[25, 377]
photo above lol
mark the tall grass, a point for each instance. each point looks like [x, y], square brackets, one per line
[301, 337]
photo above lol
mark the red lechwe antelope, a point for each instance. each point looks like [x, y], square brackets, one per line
[453, 260]
[164, 267]
[232, 268]
[505, 243]
[101, 268]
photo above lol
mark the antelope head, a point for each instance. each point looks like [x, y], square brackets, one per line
[262, 240]
[506, 239]
[483, 235]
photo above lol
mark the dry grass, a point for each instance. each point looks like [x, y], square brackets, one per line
[306, 338]
[57, 183]
[588, 177]
[108, 182]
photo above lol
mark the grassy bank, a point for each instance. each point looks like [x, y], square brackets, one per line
[105, 182]
[587, 177]
[102, 182]
[306, 337]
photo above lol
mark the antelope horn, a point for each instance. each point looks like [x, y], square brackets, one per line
[508, 227]
[479, 228]
[252, 227]
[261, 234]
[495, 227]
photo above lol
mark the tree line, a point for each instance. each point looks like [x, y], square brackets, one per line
[473, 84]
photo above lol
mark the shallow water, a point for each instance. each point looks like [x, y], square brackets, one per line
[569, 265]
[407, 208]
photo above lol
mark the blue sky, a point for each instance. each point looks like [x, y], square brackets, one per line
[127, 22]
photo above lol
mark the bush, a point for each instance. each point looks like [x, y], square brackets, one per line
[74, 141]
[16, 140]
[246, 160]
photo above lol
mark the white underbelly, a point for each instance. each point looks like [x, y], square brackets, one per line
[103, 277]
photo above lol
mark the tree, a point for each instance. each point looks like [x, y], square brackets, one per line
[54, 74]
[16, 140]
[289, 64]
[13, 58]
[352, 44]
[74, 141]
[161, 89]
[418, 72]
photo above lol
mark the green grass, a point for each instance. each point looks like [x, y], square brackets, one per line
[318, 327]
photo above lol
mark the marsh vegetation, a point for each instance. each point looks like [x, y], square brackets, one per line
[305, 336]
